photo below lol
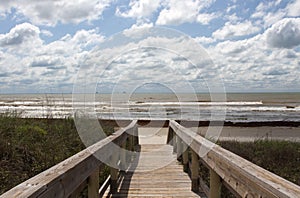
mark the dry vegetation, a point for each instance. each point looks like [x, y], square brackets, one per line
[30, 146]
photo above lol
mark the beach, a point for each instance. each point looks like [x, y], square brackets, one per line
[237, 107]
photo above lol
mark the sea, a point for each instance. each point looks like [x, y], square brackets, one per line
[236, 107]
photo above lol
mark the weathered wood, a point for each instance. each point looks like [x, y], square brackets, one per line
[185, 157]
[151, 178]
[179, 149]
[64, 178]
[114, 172]
[215, 184]
[123, 163]
[136, 135]
[203, 187]
[77, 192]
[170, 136]
[195, 171]
[246, 178]
[174, 143]
[93, 184]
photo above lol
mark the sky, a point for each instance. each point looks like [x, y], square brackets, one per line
[50, 46]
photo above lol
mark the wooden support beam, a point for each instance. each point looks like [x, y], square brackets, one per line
[136, 135]
[93, 184]
[114, 172]
[123, 163]
[170, 136]
[215, 184]
[195, 171]
[130, 143]
[185, 157]
[179, 149]
[174, 143]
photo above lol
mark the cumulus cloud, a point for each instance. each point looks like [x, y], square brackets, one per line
[268, 12]
[284, 34]
[141, 9]
[49, 12]
[249, 63]
[294, 8]
[24, 55]
[137, 30]
[230, 30]
[19, 34]
[45, 61]
[205, 40]
[188, 11]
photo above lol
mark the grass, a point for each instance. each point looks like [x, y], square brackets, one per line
[279, 157]
[30, 146]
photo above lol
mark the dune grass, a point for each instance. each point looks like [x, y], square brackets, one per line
[30, 146]
[279, 157]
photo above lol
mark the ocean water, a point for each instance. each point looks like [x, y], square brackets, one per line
[243, 107]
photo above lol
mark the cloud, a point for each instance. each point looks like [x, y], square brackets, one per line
[45, 61]
[49, 12]
[205, 40]
[230, 30]
[205, 18]
[47, 33]
[137, 30]
[188, 11]
[141, 10]
[170, 12]
[19, 34]
[24, 55]
[267, 13]
[284, 34]
[275, 72]
[250, 64]
[293, 8]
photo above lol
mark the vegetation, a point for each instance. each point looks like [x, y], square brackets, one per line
[30, 146]
[279, 157]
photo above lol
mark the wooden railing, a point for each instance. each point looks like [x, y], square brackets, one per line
[240, 176]
[71, 176]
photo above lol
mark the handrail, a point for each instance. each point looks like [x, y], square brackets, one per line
[243, 177]
[64, 178]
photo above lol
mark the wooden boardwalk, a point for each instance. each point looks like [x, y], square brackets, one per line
[157, 173]
[153, 170]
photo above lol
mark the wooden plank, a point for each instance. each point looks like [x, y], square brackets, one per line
[93, 184]
[246, 178]
[150, 179]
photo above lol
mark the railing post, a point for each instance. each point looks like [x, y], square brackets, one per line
[170, 136]
[195, 171]
[179, 148]
[123, 163]
[93, 184]
[215, 184]
[174, 143]
[136, 136]
[114, 172]
[130, 142]
[185, 157]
